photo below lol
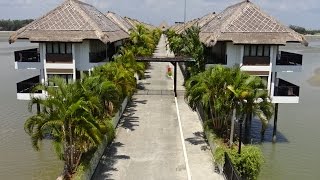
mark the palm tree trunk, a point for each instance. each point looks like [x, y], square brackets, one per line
[232, 126]
[71, 149]
[248, 126]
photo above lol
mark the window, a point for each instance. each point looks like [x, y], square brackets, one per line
[49, 48]
[62, 48]
[59, 48]
[56, 48]
[257, 50]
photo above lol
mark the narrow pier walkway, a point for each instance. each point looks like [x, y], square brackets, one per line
[148, 144]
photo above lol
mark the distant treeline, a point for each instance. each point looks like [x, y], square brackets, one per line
[303, 30]
[13, 25]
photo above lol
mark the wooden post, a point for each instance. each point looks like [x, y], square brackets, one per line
[38, 108]
[175, 79]
[274, 136]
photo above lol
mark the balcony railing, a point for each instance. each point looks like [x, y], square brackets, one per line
[97, 57]
[59, 58]
[29, 55]
[27, 86]
[256, 61]
[289, 59]
[211, 59]
[285, 88]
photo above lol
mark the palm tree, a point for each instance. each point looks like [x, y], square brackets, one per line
[108, 93]
[128, 61]
[250, 96]
[210, 89]
[122, 78]
[221, 90]
[142, 41]
[67, 116]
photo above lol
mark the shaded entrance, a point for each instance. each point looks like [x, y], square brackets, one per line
[172, 60]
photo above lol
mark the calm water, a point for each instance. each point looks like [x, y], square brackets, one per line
[17, 158]
[295, 156]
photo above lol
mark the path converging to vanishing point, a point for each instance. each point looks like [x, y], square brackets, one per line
[158, 137]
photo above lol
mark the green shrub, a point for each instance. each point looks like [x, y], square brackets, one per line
[249, 162]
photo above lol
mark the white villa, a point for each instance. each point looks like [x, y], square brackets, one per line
[245, 36]
[73, 38]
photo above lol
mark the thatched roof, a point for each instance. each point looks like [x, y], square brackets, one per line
[122, 22]
[135, 22]
[245, 23]
[164, 25]
[72, 21]
[199, 22]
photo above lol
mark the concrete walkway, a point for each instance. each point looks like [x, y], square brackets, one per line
[148, 143]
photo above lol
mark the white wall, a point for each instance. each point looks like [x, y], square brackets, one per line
[234, 56]
[82, 55]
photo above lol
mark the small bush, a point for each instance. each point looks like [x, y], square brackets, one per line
[249, 162]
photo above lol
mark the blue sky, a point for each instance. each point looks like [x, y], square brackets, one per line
[298, 12]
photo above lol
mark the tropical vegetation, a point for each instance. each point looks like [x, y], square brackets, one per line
[76, 117]
[224, 94]
[188, 44]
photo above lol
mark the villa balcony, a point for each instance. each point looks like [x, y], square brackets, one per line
[97, 57]
[59, 61]
[288, 62]
[256, 61]
[214, 60]
[285, 92]
[25, 88]
[27, 59]
[59, 58]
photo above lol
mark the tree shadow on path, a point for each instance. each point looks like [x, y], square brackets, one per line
[107, 162]
[198, 139]
[128, 119]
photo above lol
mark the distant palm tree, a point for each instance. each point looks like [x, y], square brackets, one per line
[67, 116]
[123, 79]
[142, 40]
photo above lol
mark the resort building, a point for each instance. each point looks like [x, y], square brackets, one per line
[243, 35]
[72, 39]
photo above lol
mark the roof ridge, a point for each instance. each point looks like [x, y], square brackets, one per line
[98, 31]
[112, 16]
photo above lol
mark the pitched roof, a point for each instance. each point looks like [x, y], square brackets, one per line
[135, 22]
[122, 22]
[72, 21]
[199, 22]
[126, 23]
[164, 25]
[245, 23]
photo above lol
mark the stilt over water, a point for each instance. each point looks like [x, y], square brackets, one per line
[274, 137]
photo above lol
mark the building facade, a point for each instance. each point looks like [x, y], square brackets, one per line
[72, 39]
[244, 36]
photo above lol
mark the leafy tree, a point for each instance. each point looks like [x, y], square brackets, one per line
[13, 25]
